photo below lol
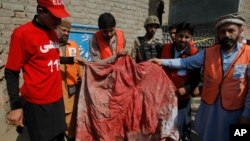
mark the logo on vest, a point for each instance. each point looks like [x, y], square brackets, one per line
[51, 45]
[72, 52]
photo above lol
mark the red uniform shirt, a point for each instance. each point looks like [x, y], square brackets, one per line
[35, 51]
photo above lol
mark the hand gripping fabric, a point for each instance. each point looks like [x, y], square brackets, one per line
[126, 101]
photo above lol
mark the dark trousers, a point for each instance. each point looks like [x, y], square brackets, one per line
[45, 122]
[59, 137]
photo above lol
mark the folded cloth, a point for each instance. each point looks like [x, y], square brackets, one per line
[126, 101]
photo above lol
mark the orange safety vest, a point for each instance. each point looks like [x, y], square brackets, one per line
[232, 85]
[105, 49]
[72, 70]
[167, 53]
[69, 73]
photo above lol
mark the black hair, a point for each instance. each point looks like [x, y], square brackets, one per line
[185, 26]
[172, 26]
[106, 20]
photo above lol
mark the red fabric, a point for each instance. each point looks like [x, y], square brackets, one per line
[128, 101]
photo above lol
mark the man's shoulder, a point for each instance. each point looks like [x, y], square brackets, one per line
[168, 45]
[118, 30]
[214, 48]
[157, 40]
[71, 42]
[23, 30]
[247, 46]
[119, 34]
[23, 27]
[140, 38]
[216, 45]
[153, 41]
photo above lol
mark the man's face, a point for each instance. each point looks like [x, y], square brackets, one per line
[172, 33]
[63, 34]
[228, 35]
[183, 38]
[108, 33]
[49, 20]
[151, 29]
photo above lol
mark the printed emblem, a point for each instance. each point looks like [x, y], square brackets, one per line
[72, 52]
[51, 45]
[239, 71]
[182, 72]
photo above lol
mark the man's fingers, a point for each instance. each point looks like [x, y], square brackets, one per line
[15, 122]
[15, 117]
[125, 52]
[19, 123]
[10, 122]
[122, 52]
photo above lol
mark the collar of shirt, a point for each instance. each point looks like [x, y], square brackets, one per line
[236, 49]
[177, 53]
[150, 41]
[64, 44]
[36, 23]
[228, 58]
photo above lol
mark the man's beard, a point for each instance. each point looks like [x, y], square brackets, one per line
[63, 39]
[227, 43]
[151, 34]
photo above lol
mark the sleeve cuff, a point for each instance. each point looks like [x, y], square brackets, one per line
[16, 105]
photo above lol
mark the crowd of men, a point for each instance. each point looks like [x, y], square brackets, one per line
[52, 70]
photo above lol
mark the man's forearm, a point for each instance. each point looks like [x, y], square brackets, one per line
[172, 63]
[12, 80]
[109, 60]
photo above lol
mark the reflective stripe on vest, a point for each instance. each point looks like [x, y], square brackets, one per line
[104, 47]
[233, 85]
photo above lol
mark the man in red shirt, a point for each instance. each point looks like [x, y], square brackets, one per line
[34, 50]
[183, 79]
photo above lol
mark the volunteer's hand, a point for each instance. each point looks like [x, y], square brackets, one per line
[156, 61]
[196, 91]
[122, 52]
[15, 117]
[181, 91]
[80, 61]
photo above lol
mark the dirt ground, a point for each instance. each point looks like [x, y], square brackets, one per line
[12, 135]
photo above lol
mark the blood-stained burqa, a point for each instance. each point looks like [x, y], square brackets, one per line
[126, 101]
